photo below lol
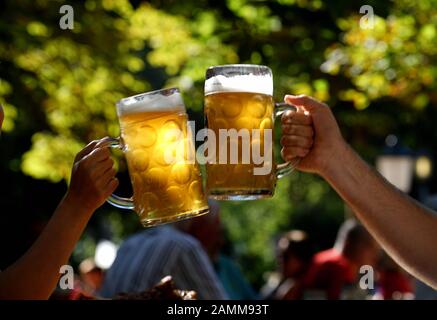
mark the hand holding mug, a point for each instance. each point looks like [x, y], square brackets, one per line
[311, 133]
[93, 176]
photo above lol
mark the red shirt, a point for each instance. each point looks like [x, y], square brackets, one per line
[394, 281]
[330, 271]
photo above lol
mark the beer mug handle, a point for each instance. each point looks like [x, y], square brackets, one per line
[286, 168]
[117, 201]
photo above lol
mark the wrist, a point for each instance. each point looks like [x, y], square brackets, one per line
[336, 160]
[77, 205]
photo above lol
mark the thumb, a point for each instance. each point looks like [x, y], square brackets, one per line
[309, 103]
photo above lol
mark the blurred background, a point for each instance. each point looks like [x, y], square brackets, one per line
[59, 89]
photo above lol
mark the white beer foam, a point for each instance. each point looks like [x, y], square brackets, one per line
[150, 103]
[240, 83]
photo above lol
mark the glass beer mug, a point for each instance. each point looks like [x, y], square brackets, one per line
[155, 138]
[239, 114]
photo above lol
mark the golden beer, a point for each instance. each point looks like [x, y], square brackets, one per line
[239, 110]
[166, 181]
[238, 99]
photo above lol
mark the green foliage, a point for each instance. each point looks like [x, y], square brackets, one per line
[396, 58]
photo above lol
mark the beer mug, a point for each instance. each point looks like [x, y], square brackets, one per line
[239, 114]
[157, 143]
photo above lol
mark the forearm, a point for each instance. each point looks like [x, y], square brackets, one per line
[405, 229]
[35, 275]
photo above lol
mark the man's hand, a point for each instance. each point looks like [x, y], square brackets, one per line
[311, 133]
[93, 176]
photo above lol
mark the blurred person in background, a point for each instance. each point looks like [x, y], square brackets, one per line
[393, 283]
[208, 230]
[405, 229]
[36, 274]
[90, 280]
[334, 273]
[294, 253]
[176, 250]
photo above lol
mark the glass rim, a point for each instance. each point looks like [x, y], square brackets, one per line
[138, 97]
[229, 70]
[243, 65]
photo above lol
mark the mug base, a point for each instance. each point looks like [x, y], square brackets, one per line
[147, 223]
[237, 195]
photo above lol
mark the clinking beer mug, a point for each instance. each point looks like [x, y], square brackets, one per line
[155, 138]
[239, 113]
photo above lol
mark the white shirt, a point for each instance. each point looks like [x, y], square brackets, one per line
[145, 258]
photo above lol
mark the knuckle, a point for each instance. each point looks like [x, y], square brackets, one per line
[99, 150]
[300, 119]
[91, 144]
[305, 141]
[105, 152]
[286, 152]
[112, 172]
[303, 152]
[286, 117]
[298, 140]
[294, 130]
[285, 128]
[103, 142]
[307, 117]
[76, 165]
[305, 98]
[86, 160]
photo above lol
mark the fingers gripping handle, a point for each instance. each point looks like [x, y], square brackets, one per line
[117, 201]
[286, 168]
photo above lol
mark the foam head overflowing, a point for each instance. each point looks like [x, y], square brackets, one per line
[240, 83]
[155, 101]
